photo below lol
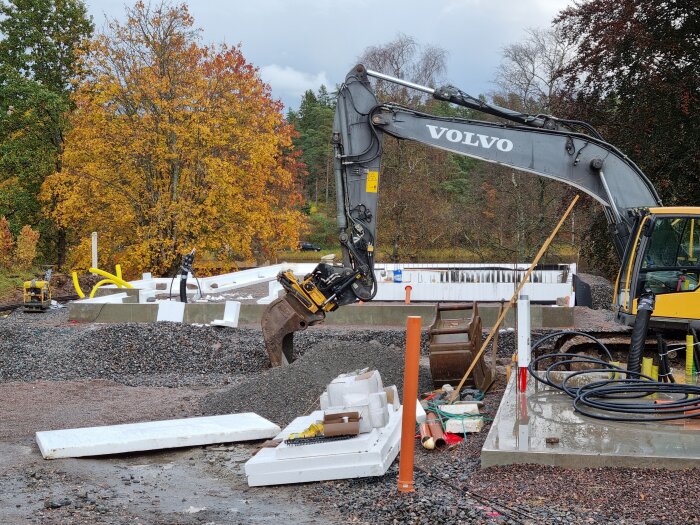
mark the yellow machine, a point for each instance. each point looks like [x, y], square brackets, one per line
[663, 258]
[37, 294]
[659, 246]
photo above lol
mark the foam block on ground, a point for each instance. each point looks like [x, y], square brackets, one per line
[464, 426]
[368, 454]
[171, 311]
[154, 435]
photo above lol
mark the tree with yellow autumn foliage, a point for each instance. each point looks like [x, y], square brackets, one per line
[174, 145]
[25, 247]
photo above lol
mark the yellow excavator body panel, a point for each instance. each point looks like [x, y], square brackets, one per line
[676, 305]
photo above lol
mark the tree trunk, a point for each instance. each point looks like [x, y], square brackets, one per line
[61, 245]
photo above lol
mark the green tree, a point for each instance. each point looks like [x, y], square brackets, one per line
[314, 122]
[39, 43]
[31, 126]
[41, 38]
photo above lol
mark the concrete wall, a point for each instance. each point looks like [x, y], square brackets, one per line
[370, 314]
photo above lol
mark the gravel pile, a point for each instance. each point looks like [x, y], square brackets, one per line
[281, 394]
[159, 354]
[47, 347]
[601, 290]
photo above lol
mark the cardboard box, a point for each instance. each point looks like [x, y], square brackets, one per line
[341, 424]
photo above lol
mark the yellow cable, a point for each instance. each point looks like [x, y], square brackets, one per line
[103, 281]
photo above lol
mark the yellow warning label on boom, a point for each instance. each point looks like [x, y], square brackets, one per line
[372, 181]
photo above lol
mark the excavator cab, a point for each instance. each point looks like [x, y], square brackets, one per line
[663, 257]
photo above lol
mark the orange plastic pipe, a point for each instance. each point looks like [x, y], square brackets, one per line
[410, 394]
[408, 294]
[435, 429]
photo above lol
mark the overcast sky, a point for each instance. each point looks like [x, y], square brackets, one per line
[301, 44]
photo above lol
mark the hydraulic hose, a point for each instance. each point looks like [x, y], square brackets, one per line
[185, 270]
[645, 307]
[696, 349]
[614, 393]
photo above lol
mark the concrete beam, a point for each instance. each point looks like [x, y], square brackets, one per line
[369, 314]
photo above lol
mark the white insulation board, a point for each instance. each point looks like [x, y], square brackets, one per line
[154, 435]
[368, 454]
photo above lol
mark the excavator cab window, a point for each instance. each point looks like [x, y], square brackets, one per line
[671, 261]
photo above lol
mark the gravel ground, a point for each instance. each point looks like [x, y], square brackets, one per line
[158, 354]
[54, 373]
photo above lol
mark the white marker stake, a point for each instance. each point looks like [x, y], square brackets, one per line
[523, 340]
[94, 250]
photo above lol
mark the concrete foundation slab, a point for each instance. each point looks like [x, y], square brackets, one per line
[366, 455]
[524, 424]
[154, 435]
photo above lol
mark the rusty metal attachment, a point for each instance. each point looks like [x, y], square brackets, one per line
[280, 320]
[454, 340]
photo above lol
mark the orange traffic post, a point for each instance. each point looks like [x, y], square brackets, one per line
[410, 395]
[408, 293]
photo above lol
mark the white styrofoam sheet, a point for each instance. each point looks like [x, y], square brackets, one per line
[371, 455]
[153, 435]
[171, 311]
[232, 312]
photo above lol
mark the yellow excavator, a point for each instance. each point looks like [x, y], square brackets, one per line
[659, 247]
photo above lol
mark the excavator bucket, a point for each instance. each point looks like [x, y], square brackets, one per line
[280, 320]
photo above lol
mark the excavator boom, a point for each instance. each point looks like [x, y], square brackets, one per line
[568, 151]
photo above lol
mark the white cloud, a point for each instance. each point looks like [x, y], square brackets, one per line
[289, 84]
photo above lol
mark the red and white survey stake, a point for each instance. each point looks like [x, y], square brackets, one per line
[523, 341]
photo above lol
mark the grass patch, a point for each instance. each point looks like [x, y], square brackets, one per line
[11, 282]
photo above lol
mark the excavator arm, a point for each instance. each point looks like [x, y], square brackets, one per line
[571, 152]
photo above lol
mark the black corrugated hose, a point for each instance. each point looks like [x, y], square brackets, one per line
[645, 307]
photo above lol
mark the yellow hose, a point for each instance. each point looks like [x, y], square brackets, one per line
[119, 272]
[117, 280]
[77, 286]
[103, 281]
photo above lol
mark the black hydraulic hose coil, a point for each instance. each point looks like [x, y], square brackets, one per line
[645, 307]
